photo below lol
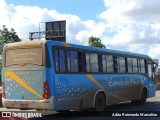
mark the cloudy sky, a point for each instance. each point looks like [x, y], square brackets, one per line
[130, 25]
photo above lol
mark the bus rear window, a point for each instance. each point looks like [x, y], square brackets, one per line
[24, 56]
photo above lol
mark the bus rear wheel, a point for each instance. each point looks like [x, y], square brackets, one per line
[100, 102]
[143, 97]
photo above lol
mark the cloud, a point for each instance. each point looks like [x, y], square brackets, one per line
[133, 25]
[130, 25]
[154, 50]
[25, 19]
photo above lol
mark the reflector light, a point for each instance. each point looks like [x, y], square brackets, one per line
[46, 91]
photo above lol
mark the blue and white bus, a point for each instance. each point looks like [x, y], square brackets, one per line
[49, 75]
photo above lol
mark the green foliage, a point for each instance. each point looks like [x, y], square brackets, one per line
[96, 42]
[7, 36]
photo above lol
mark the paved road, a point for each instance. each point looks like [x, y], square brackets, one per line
[152, 106]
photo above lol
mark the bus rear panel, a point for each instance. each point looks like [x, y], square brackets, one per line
[24, 77]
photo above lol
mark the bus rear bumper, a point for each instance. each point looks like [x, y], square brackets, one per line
[29, 104]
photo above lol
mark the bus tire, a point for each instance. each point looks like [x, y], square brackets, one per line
[100, 102]
[143, 96]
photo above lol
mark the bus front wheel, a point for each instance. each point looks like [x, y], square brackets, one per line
[100, 102]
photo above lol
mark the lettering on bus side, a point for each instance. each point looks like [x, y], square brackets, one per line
[113, 82]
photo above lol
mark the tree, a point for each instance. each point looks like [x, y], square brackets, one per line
[96, 42]
[7, 36]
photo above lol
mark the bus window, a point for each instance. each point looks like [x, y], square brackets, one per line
[68, 61]
[88, 62]
[109, 59]
[121, 64]
[142, 65]
[104, 62]
[80, 62]
[129, 63]
[94, 62]
[72, 58]
[150, 72]
[62, 61]
[57, 60]
[135, 65]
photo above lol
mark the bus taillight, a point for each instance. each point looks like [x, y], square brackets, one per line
[46, 91]
[3, 94]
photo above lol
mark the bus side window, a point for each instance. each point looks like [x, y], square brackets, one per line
[104, 63]
[115, 61]
[150, 72]
[57, 60]
[74, 61]
[145, 66]
[135, 65]
[80, 62]
[110, 65]
[122, 65]
[94, 62]
[142, 66]
[84, 62]
[100, 63]
[88, 62]
[62, 61]
[68, 61]
[129, 64]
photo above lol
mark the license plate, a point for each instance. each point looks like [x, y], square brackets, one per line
[23, 105]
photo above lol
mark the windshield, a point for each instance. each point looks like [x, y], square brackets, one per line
[24, 56]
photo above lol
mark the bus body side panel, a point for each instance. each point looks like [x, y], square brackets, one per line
[76, 91]
[73, 91]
